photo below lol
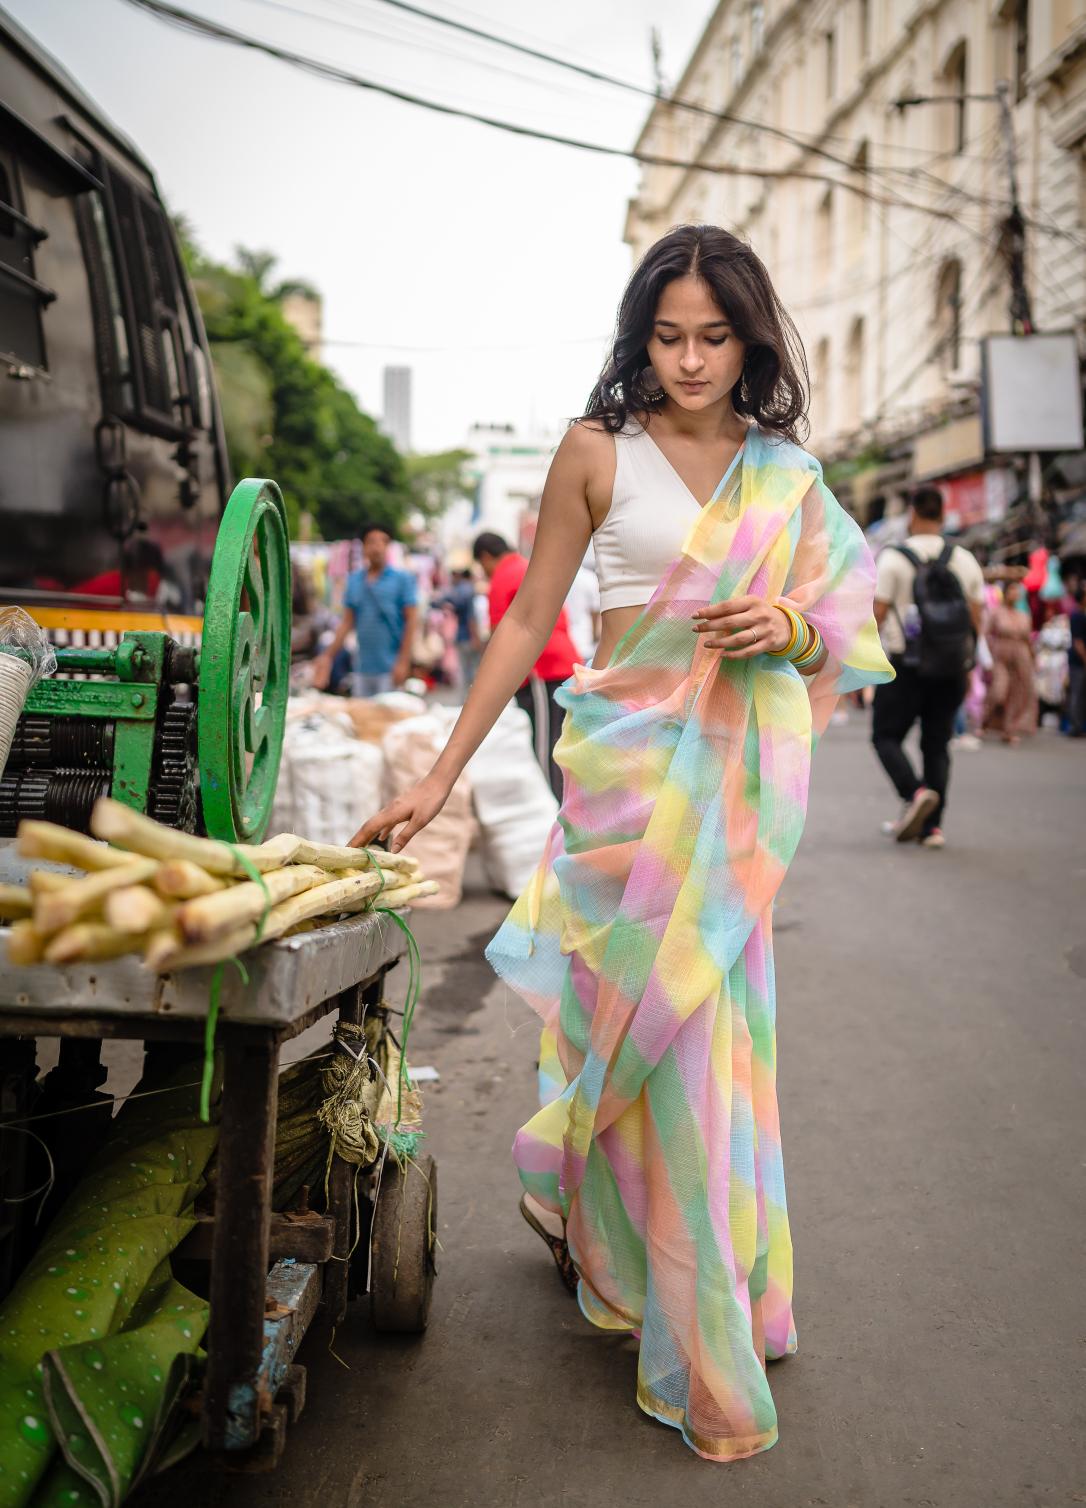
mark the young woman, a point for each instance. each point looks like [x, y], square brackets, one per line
[736, 598]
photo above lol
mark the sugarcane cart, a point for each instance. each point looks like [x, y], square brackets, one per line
[193, 737]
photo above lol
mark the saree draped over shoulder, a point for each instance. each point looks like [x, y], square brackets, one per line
[644, 942]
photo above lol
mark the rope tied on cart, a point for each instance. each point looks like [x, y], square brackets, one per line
[409, 1140]
[215, 992]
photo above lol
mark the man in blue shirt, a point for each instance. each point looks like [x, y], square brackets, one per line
[380, 604]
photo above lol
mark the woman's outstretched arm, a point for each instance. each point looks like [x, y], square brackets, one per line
[565, 527]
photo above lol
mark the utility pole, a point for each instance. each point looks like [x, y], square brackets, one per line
[1012, 246]
[1014, 229]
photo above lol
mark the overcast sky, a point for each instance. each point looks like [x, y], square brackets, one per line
[502, 256]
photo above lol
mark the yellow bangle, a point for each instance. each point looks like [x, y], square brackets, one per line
[797, 627]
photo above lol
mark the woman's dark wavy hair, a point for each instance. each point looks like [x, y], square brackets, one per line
[774, 386]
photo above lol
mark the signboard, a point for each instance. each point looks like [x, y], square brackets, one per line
[978, 497]
[1031, 392]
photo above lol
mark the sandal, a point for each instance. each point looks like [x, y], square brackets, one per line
[559, 1250]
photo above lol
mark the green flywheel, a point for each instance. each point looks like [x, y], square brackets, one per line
[245, 664]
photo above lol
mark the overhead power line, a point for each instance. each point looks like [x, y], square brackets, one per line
[202, 25]
[804, 142]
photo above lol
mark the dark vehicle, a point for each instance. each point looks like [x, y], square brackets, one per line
[113, 470]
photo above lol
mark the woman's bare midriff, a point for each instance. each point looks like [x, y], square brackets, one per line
[614, 624]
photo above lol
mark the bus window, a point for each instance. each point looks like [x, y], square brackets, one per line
[21, 297]
[153, 303]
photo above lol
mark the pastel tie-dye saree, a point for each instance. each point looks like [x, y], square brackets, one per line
[644, 941]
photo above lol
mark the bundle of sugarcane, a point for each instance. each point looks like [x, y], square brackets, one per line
[179, 900]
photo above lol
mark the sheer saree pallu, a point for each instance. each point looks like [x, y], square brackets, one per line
[644, 942]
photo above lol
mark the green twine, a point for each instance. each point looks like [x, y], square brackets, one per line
[414, 989]
[209, 1030]
[215, 992]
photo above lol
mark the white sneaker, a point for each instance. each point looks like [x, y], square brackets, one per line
[934, 839]
[916, 813]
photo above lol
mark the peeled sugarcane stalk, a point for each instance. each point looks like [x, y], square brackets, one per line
[161, 942]
[88, 940]
[42, 880]
[26, 944]
[331, 856]
[136, 908]
[60, 907]
[15, 902]
[132, 830]
[334, 897]
[403, 895]
[211, 915]
[394, 883]
[45, 840]
[182, 880]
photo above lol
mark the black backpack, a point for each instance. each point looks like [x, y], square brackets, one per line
[945, 643]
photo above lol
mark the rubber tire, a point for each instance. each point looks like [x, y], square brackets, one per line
[404, 1237]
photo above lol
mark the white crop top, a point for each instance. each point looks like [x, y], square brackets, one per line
[651, 513]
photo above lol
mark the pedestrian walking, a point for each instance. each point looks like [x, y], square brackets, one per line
[505, 570]
[929, 602]
[461, 598]
[1076, 665]
[583, 612]
[736, 602]
[1011, 707]
[380, 604]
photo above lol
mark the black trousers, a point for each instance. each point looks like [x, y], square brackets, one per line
[900, 704]
[537, 699]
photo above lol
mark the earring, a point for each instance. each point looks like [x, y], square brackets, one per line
[650, 384]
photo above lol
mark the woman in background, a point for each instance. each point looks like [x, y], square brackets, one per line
[1011, 707]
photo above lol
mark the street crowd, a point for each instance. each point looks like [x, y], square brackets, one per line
[979, 653]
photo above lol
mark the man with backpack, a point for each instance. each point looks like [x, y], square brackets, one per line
[929, 600]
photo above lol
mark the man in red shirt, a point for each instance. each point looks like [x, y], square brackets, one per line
[505, 569]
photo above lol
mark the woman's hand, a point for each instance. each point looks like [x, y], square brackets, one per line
[743, 627]
[409, 813]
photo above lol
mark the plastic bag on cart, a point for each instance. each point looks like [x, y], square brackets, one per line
[514, 804]
[329, 782]
[410, 749]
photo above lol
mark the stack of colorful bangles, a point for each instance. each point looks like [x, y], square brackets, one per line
[804, 648]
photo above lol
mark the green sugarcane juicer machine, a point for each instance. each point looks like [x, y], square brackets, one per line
[192, 737]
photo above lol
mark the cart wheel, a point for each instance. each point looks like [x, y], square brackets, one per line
[404, 1237]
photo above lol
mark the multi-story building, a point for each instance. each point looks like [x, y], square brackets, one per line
[508, 469]
[882, 224]
[396, 406]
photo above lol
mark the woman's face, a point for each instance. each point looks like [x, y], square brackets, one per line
[692, 348]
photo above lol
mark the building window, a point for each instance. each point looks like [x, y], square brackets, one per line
[757, 25]
[831, 64]
[948, 314]
[955, 78]
[865, 28]
[859, 201]
[824, 236]
[22, 297]
[821, 388]
[854, 377]
[1021, 48]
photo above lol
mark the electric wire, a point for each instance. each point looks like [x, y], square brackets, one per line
[200, 25]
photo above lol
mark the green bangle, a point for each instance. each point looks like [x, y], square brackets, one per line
[812, 651]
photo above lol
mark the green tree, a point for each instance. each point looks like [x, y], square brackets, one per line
[287, 416]
[439, 480]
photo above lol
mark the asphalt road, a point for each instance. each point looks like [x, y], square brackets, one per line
[931, 1062]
